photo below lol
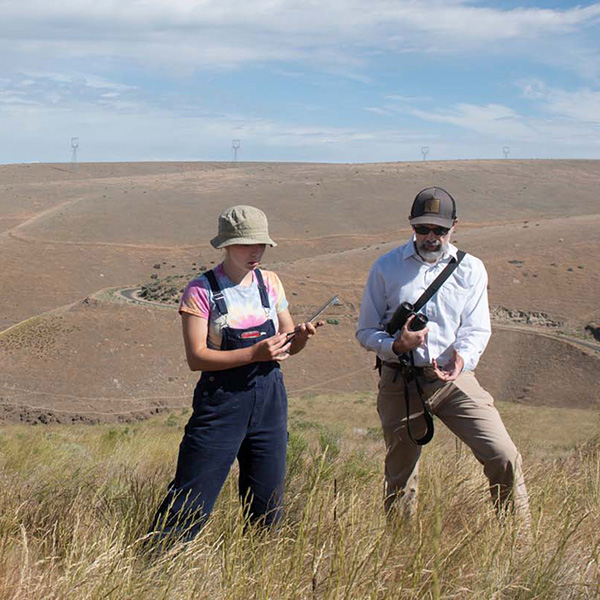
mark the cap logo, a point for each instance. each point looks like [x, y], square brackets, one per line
[432, 205]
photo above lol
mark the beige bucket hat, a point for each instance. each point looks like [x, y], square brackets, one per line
[242, 225]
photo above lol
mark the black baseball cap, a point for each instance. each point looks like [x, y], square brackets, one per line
[433, 206]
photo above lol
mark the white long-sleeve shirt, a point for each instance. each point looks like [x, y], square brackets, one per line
[458, 312]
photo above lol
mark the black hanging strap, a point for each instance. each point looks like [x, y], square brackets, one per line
[264, 295]
[426, 414]
[217, 293]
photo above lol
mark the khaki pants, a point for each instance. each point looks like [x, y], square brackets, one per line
[469, 412]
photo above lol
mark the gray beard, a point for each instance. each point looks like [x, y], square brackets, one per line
[431, 255]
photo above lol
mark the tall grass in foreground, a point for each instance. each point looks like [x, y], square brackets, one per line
[75, 504]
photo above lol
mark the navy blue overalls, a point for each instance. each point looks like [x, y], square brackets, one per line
[239, 412]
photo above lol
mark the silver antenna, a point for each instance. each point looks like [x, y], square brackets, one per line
[506, 150]
[424, 151]
[235, 144]
[74, 146]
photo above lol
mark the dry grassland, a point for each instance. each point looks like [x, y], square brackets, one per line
[76, 503]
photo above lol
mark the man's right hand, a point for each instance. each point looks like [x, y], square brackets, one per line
[407, 340]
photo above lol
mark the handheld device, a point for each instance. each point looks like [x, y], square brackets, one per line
[320, 311]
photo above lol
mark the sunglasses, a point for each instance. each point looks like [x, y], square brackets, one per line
[424, 230]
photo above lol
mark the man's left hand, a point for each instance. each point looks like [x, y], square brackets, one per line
[450, 371]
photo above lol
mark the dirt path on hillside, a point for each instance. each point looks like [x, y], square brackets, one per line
[555, 336]
[131, 295]
[32, 240]
[41, 215]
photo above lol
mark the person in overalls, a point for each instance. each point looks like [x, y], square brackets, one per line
[235, 320]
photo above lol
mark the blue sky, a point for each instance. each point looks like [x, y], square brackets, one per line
[337, 81]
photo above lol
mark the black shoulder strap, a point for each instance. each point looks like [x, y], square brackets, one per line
[264, 295]
[216, 291]
[439, 281]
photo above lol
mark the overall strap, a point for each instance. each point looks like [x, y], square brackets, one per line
[264, 295]
[217, 293]
[439, 280]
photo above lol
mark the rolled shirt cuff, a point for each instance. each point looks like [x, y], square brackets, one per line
[470, 361]
[385, 351]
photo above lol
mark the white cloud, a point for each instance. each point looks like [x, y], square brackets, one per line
[15, 99]
[148, 133]
[86, 80]
[580, 105]
[378, 111]
[406, 99]
[71, 62]
[308, 18]
[465, 22]
[567, 130]
[490, 120]
[583, 105]
[201, 34]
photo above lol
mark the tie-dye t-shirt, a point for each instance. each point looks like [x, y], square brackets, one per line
[244, 308]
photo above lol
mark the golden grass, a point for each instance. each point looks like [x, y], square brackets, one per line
[76, 502]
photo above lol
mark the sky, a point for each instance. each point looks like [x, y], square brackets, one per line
[342, 81]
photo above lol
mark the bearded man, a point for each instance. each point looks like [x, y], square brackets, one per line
[430, 371]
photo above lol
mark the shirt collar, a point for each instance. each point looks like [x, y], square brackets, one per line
[409, 251]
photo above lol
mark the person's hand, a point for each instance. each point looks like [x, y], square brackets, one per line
[301, 334]
[407, 340]
[452, 370]
[274, 348]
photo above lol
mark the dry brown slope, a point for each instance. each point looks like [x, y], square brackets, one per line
[308, 200]
[97, 360]
[334, 232]
[121, 219]
[104, 361]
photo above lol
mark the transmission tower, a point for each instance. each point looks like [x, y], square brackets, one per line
[235, 145]
[74, 146]
[506, 150]
[424, 151]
